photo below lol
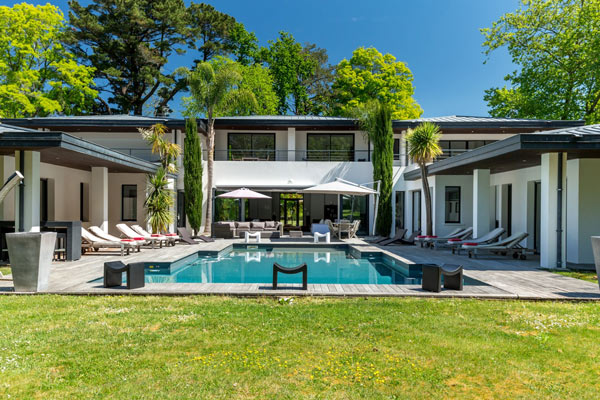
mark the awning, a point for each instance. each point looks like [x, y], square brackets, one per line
[243, 193]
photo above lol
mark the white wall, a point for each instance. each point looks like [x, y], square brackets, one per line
[465, 182]
[115, 182]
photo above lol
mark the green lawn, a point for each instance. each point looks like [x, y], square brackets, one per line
[5, 270]
[589, 276]
[55, 347]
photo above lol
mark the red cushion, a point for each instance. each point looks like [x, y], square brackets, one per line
[432, 236]
[455, 240]
[422, 236]
[156, 235]
[170, 234]
[470, 244]
[138, 238]
[126, 240]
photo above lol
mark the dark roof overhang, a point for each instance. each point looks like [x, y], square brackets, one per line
[61, 149]
[516, 152]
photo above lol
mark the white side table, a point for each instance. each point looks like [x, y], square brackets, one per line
[318, 235]
[248, 235]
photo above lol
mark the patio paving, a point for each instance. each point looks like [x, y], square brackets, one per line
[503, 277]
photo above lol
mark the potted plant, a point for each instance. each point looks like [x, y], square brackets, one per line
[596, 249]
[30, 255]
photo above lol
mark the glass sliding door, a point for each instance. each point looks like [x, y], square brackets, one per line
[330, 147]
[399, 217]
[358, 210]
[291, 209]
[251, 146]
[416, 210]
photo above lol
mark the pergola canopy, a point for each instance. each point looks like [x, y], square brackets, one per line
[340, 187]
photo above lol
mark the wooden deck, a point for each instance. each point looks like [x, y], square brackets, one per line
[503, 278]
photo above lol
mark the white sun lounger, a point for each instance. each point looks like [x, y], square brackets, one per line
[504, 246]
[169, 238]
[489, 237]
[89, 240]
[131, 234]
[107, 236]
[426, 240]
[462, 235]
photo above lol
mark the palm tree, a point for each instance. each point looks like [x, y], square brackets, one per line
[160, 198]
[215, 91]
[423, 148]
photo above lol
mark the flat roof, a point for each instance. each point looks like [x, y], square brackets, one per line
[519, 151]
[59, 148]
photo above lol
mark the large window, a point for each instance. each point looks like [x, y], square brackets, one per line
[129, 203]
[330, 147]
[452, 204]
[396, 149]
[356, 209]
[399, 217]
[452, 148]
[416, 211]
[251, 146]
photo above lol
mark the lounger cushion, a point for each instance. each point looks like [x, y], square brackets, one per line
[270, 224]
[243, 225]
[170, 234]
[455, 240]
[431, 236]
[471, 244]
[422, 236]
[258, 225]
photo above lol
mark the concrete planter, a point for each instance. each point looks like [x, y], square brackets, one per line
[596, 248]
[30, 255]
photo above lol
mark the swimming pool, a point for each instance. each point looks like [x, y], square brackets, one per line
[254, 264]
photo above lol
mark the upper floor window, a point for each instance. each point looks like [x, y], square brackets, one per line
[396, 149]
[455, 147]
[251, 146]
[330, 147]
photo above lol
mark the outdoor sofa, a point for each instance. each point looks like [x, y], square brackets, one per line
[235, 229]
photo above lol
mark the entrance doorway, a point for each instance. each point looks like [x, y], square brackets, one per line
[291, 209]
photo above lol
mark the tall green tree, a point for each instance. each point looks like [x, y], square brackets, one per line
[211, 30]
[215, 91]
[368, 75]
[192, 180]
[556, 46]
[375, 118]
[38, 76]
[423, 148]
[160, 200]
[243, 45]
[299, 74]
[129, 42]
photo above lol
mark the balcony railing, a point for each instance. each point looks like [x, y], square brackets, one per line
[143, 153]
[295, 155]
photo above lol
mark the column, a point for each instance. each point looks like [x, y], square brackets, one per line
[27, 209]
[481, 202]
[291, 144]
[99, 198]
[549, 211]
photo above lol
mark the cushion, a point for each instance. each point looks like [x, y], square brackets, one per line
[155, 235]
[170, 234]
[243, 225]
[431, 236]
[270, 224]
[258, 225]
[455, 240]
[126, 240]
[470, 244]
[138, 238]
[421, 237]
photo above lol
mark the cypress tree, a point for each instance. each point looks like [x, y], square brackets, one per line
[192, 180]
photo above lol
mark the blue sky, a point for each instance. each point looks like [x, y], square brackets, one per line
[438, 39]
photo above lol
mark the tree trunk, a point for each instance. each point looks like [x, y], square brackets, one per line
[427, 194]
[209, 183]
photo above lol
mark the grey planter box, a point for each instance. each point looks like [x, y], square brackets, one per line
[596, 248]
[30, 255]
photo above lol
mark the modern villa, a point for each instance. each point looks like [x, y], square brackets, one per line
[534, 176]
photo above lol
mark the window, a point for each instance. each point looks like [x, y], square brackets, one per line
[399, 218]
[129, 203]
[416, 211]
[452, 148]
[330, 147]
[396, 149]
[181, 218]
[452, 204]
[255, 146]
[84, 201]
[43, 199]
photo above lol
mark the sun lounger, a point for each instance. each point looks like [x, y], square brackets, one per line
[139, 241]
[462, 235]
[411, 239]
[424, 240]
[186, 237]
[170, 238]
[504, 246]
[490, 237]
[91, 241]
[131, 234]
[399, 235]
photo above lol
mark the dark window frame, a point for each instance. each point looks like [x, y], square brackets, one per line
[123, 199]
[312, 134]
[252, 150]
[400, 194]
[446, 205]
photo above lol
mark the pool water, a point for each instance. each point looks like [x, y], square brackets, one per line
[255, 265]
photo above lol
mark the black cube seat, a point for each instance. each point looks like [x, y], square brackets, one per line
[302, 268]
[113, 274]
[432, 277]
